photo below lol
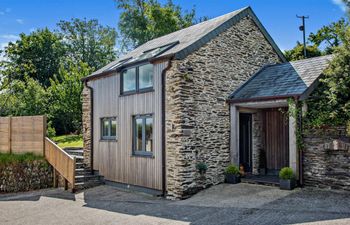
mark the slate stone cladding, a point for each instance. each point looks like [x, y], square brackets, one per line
[197, 114]
[86, 101]
[324, 167]
[258, 139]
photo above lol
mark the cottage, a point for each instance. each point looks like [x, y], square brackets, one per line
[151, 116]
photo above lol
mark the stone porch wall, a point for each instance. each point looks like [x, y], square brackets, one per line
[87, 113]
[258, 144]
[197, 115]
[325, 165]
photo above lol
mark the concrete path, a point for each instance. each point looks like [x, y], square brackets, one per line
[222, 204]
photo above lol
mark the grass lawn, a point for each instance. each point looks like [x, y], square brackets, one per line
[8, 158]
[70, 140]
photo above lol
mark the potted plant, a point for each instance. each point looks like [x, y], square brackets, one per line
[287, 178]
[232, 174]
[202, 167]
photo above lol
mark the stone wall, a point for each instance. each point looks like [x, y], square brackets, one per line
[197, 115]
[326, 161]
[258, 139]
[25, 176]
[87, 107]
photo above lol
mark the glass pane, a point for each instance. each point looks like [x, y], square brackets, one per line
[114, 128]
[105, 127]
[146, 76]
[138, 133]
[129, 80]
[149, 134]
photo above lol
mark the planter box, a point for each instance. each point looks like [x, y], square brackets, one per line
[232, 179]
[287, 184]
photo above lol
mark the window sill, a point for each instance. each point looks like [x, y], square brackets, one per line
[108, 140]
[141, 154]
[136, 92]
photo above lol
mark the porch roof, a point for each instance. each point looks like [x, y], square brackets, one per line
[282, 80]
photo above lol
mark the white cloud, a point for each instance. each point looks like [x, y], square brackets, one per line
[11, 37]
[341, 4]
[7, 10]
[20, 21]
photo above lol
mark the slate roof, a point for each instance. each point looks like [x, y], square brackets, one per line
[181, 43]
[286, 79]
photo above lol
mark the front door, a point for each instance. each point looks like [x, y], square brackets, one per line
[245, 141]
[276, 140]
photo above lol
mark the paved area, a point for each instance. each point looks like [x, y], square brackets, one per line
[222, 204]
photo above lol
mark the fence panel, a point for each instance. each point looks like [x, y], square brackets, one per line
[23, 134]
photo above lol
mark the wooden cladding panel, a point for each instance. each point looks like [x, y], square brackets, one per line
[276, 139]
[22, 134]
[114, 159]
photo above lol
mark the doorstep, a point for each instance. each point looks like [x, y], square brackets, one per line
[261, 179]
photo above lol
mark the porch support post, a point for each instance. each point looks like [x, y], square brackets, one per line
[293, 152]
[234, 135]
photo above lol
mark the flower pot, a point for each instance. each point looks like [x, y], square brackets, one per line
[287, 184]
[232, 179]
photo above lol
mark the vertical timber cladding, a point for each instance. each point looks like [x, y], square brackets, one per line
[276, 138]
[114, 159]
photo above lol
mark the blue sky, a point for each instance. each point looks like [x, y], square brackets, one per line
[279, 17]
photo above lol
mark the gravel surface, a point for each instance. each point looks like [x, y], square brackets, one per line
[221, 204]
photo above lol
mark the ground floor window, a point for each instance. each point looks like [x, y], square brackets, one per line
[143, 135]
[109, 128]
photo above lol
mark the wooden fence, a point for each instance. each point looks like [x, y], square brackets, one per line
[23, 134]
[63, 163]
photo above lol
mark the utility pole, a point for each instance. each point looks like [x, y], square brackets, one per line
[302, 28]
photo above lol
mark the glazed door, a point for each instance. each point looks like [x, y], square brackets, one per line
[245, 141]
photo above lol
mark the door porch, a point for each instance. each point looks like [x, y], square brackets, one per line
[263, 137]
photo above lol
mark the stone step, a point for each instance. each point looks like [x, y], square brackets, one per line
[75, 152]
[87, 178]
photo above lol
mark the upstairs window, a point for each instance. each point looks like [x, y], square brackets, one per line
[109, 128]
[137, 79]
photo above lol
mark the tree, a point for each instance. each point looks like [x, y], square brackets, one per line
[36, 55]
[89, 42]
[330, 104]
[297, 52]
[330, 35]
[65, 97]
[25, 97]
[143, 20]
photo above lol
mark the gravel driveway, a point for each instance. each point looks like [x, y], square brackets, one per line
[221, 204]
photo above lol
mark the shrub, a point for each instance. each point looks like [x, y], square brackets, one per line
[202, 167]
[286, 173]
[232, 169]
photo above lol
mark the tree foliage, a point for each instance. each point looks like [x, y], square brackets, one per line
[42, 71]
[143, 20]
[330, 103]
[36, 55]
[65, 108]
[323, 42]
[87, 41]
[330, 35]
[297, 52]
